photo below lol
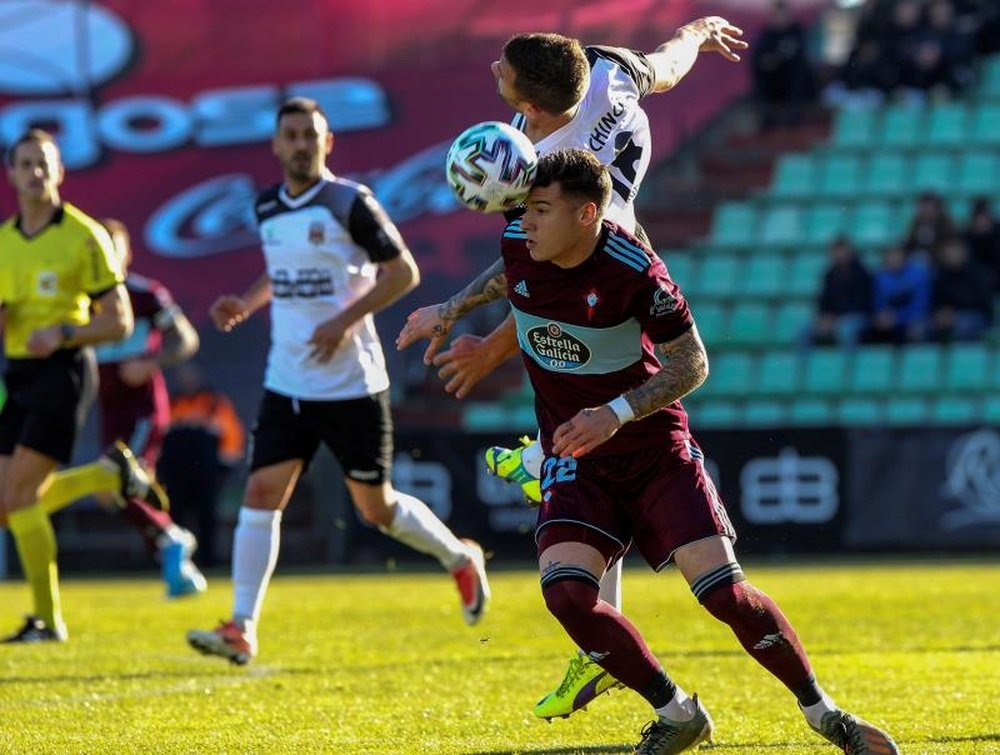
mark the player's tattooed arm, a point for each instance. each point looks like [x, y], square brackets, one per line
[685, 367]
[489, 285]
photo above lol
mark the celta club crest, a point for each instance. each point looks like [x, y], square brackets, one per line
[592, 299]
[317, 233]
[664, 303]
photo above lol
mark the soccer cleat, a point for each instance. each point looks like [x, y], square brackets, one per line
[473, 587]
[665, 737]
[584, 681]
[178, 570]
[226, 640]
[136, 482]
[36, 630]
[506, 464]
[855, 736]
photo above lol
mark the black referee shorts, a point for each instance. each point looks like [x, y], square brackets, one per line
[357, 431]
[47, 402]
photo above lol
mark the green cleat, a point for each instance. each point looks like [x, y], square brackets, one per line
[855, 736]
[506, 464]
[584, 681]
[666, 737]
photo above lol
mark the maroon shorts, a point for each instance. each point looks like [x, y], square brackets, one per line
[660, 499]
[143, 433]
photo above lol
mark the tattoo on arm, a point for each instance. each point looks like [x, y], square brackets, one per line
[488, 286]
[685, 368]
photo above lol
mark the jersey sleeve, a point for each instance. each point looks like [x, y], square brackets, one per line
[100, 268]
[165, 309]
[372, 230]
[632, 62]
[659, 305]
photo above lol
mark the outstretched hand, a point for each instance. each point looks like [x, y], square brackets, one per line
[425, 322]
[463, 364]
[719, 36]
[228, 311]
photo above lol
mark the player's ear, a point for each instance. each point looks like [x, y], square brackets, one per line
[588, 213]
[328, 147]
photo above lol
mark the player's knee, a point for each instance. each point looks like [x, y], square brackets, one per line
[375, 513]
[722, 591]
[571, 598]
[262, 494]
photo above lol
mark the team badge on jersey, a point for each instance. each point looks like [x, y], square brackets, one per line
[664, 303]
[317, 232]
[47, 283]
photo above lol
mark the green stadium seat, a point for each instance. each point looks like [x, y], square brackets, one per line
[719, 275]
[887, 175]
[825, 221]
[826, 372]
[934, 171]
[765, 275]
[873, 224]
[791, 318]
[805, 277]
[873, 370]
[960, 208]
[989, 85]
[991, 410]
[794, 176]
[782, 225]
[955, 410]
[731, 375]
[854, 128]
[779, 373]
[859, 412]
[906, 411]
[711, 318]
[986, 125]
[485, 416]
[920, 369]
[839, 176]
[750, 324]
[683, 269]
[713, 413]
[967, 367]
[947, 125]
[901, 126]
[978, 172]
[734, 224]
[811, 412]
[765, 413]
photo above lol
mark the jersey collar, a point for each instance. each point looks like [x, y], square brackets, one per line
[57, 218]
[305, 197]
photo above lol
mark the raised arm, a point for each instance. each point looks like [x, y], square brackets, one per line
[673, 59]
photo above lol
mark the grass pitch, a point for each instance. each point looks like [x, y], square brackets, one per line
[383, 664]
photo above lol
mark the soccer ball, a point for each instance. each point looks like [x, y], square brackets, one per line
[490, 167]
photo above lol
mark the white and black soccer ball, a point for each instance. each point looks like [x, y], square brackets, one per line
[491, 166]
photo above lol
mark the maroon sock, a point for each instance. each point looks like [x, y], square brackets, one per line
[150, 522]
[607, 636]
[765, 634]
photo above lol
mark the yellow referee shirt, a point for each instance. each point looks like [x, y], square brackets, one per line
[51, 278]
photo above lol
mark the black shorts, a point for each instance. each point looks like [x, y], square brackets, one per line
[358, 431]
[47, 402]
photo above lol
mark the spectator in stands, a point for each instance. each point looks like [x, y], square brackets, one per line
[943, 52]
[845, 303]
[962, 298]
[930, 226]
[783, 75]
[902, 298]
[982, 237]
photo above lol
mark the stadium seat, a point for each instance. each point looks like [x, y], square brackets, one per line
[811, 412]
[825, 221]
[854, 128]
[967, 367]
[791, 319]
[682, 267]
[765, 413]
[990, 412]
[711, 319]
[887, 175]
[485, 416]
[901, 126]
[906, 411]
[839, 176]
[719, 275]
[765, 275]
[955, 410]
[989, 85]
[826, 371]
[947, 125]
[778, 373]
[782, 225]
[805, 277]
[873, 224]
[750, 324]
[859, 412]
[731, 375]
[794, 176]
[734, 224]
[978, 172]
[934, 171]
[873, 370]
[986, 125]
[920, 369]
[713, 413]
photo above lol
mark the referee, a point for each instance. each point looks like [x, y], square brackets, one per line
[60, 291]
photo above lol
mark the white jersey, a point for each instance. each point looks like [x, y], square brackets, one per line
[321, 250]
[611, 124]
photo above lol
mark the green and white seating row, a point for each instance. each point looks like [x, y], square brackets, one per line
[714, 274]
[957, 125]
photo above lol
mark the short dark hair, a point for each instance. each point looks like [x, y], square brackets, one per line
[304, 105]
[33, 135]
[550, 71]
[578, 172]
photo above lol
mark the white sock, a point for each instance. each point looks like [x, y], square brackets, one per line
[255, 552]
[814, 713]
[415, 525]
[532, 458]
[611, 585]
[680, 708]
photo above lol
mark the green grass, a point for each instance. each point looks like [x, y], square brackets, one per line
[383, 664]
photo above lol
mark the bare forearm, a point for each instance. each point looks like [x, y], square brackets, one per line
[488, 286]
[503, 340]
[685, 368]
[180, 342]
[258, 294]
[112, 320]
[675, 58]
[392, 284]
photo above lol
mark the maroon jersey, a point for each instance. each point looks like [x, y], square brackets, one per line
[154, 311]
[587, 333]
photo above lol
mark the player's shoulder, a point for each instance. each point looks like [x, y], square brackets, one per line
[141, 284]
[76, 220]
[624, 252]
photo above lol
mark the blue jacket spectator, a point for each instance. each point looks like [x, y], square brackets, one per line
[902, 298]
